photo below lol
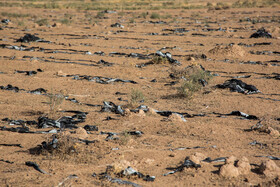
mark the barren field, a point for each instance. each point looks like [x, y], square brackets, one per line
[169, 97]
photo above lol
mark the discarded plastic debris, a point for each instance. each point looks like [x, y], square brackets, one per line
[63, 122]
[169, 57]
[220, 159]
[184, 148]
[5, 21]
[103, 62]
[257, 126]
[91, 128]
[29, 38]
[29, 73]
[236, 85]
[276, 76]
[117, 25]
[108, 118]
[187, 164]
[17, 129]
[261, 33]
[38, 91]
[270, 157]
[10, 87]
[11, 145]
[137, 133]
[158, 22]
[129, 171]
[255, 142]
[101, 80]
[242, 114]
[111, 135]
[118, 181]
[67, 178]
[35, 166]
[177, 30]
[7, 161]
[238, 113]
[87, 142]
[112, 107]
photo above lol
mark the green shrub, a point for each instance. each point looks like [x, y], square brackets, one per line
[155, 16]
[192, 75]
[42, 22]
[135, 97]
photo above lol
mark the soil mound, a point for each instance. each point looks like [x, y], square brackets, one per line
[231, 50]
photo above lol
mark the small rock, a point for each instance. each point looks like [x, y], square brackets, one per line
[57, 25]
[231, 160]
[191, 59]
[244, 166]
[175, 117]
[273, 132]
[197, 157]
[269, 169]
[152, 111]
[80, 133]
[229, 171]
[127, 112]
[60, 73]
[141, 113]
[120, 165]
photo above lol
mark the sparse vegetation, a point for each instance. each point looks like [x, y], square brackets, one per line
[100, 15]
[159, 60]
[54, 101]
[136, 96]
[124, 137]
[14, 15]
[155, 16]
[255, 3]
[193, 80]
[65, 21]
[42, 22]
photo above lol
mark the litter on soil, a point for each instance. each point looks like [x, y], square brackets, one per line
[187, 164]
[261, 33]
[35, 166]
[236, 85]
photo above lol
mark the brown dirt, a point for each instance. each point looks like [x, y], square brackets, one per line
[152, 152]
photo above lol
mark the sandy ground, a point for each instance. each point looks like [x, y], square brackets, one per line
[207, 135]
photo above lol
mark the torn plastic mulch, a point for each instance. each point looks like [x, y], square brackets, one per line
[112, 107]
[129, 172]
[187, 164]
[261, 33]
[238, 113]
[30, 38]
[101, 80]
[239, 86]
[63, 122]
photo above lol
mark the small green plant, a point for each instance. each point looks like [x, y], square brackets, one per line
[65, 21]
[194, 76]
[131, 20]
[42, 22]
[143, 15]
[159, 60]
[14, 15]
[166, 16]
[54, 100]
[136, 96]
[124, 137]
[155, 16]
[221, 6]
[21, 23]
[100, 15]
